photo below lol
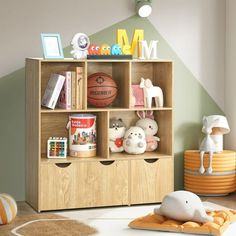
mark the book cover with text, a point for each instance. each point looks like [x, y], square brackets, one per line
[53, 90]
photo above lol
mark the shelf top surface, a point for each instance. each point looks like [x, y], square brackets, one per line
[98, 60]
[45, 110]
[113, 157]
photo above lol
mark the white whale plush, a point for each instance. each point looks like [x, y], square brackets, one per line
[183, 206]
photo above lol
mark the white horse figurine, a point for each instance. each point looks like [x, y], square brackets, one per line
[207, 144]
[150, 92]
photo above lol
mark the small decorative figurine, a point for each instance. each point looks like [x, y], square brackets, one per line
[105, 49]
[220, 127]
[93, 49]
[148, 52]
[187, 207]
[116, 49]
[214, 127]
[80, 44]
[134, 140]
[150, 127]
[126, 50]
[116, 135]
[207, 145]
[150, 92]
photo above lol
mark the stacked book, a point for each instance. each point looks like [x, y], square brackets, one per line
[64, 90]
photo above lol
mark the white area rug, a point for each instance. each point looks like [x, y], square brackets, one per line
[114, 221]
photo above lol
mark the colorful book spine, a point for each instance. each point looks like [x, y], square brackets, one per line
[73, 90]
[64, 101]
[52, 91]
[79, 86]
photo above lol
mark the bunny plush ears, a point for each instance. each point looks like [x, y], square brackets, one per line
[145, 114]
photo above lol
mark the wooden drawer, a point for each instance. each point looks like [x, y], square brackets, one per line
[59, 186]
[103, 183]
[84, 184]
[151, 180]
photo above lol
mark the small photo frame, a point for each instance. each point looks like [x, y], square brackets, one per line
[52, 48]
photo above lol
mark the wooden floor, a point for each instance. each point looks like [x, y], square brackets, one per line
[226, 201]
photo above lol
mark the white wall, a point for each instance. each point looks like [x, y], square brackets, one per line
[230, 82]
[21, 23]
[195, 29]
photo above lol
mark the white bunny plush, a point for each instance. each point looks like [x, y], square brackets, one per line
[150, 127]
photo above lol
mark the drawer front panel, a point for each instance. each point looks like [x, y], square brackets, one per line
[103, 183]
[151, 180]
[84, 184]
[58, 186]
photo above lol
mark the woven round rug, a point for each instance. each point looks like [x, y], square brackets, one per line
[46, 225]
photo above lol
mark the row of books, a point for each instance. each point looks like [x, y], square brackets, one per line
[64, 90]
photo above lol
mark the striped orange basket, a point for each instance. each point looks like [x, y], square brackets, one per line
[221, 181]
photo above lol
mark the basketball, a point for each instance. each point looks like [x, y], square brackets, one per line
[102, 89]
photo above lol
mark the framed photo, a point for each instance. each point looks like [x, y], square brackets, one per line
[52, 48]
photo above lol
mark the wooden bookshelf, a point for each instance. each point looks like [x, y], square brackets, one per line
[107, 179]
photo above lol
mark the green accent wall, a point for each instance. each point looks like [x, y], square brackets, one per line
[191, 102]
[12, 134]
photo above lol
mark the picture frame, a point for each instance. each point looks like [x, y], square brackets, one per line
[52, 47]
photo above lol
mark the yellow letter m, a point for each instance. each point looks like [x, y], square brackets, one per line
[123, 41]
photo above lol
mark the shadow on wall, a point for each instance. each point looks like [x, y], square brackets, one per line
[12, 134]
[187, 137]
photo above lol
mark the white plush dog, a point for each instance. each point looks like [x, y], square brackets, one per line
[116, 135]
